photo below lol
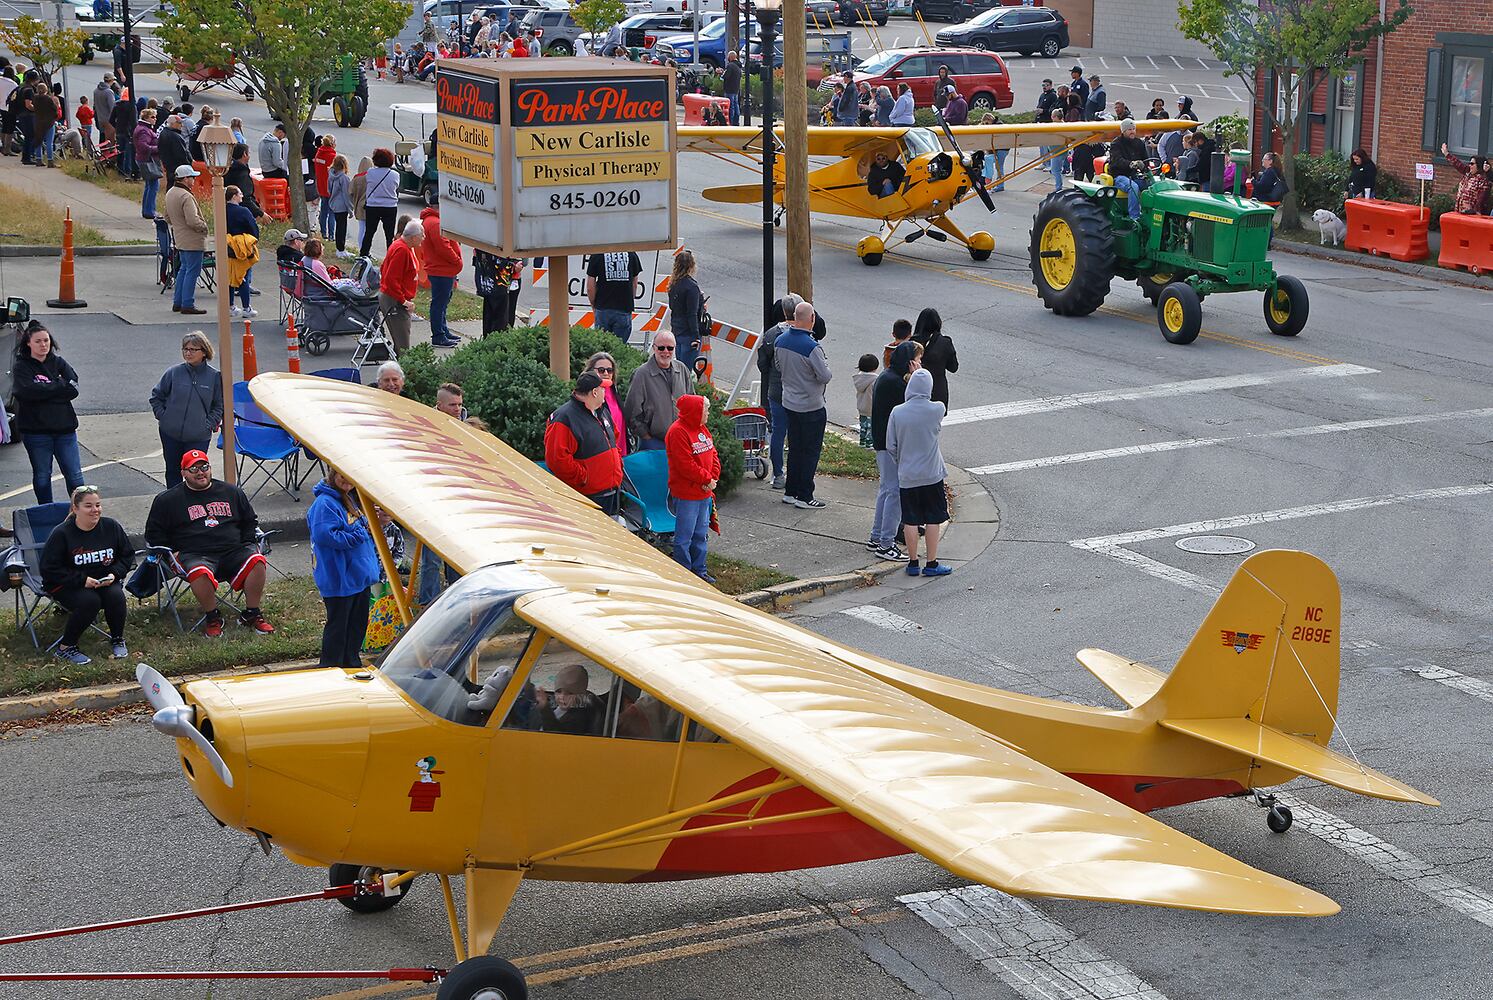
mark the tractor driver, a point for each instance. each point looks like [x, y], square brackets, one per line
[1127, 159]
[885, 176]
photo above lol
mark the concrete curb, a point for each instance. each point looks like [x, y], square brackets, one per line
[1428, 272]
[122, 250]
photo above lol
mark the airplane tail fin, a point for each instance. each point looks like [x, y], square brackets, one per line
[1261, 675]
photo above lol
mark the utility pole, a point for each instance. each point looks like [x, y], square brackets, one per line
[129, 51]
[795, 149]
[746, 63]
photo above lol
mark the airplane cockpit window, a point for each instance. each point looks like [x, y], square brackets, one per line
[458, 659]
[568, 692]
[918, 141]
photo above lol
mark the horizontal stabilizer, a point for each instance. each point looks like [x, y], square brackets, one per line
[736, 194]
[1297, 754]
[1133, 682]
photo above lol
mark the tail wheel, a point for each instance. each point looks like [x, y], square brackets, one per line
[1279, 818]
[1287, 307]
[484, 978]
[343, 874]
[1179, 313]
[1072, 253]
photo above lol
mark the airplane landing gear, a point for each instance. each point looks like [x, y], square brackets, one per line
[486, 977]
[1279, 817]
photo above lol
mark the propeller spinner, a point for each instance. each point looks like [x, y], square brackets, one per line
[175, 718]
[973, 162]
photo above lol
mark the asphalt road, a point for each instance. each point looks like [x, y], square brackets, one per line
[1365, 440]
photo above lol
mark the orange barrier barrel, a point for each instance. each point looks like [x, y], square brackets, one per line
[1388, 229]
[273, 196]
[202, 184]
[695, 105]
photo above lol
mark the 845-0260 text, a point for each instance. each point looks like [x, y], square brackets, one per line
[596, 199]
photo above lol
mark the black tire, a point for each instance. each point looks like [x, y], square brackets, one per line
[86, 56]
[360, 110]
[1080, 287]
[1152, 284]
[486, 977]
[343, 874]
[982, 102]
[872, 259]
[978, 255]
[342, 112]
[980, 44]
[881, 23]
[1279, 818]
[562, 48]
[1051, 47]
[760, 468]
[317, 344]
[430, 195]
[1179, 313]
[185, 92]
[1287, 308]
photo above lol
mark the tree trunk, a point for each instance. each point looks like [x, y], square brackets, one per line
[1290, 216]
[286, 107]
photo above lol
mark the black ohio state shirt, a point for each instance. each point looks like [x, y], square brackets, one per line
[210, 522]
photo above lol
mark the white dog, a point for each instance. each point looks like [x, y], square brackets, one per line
[1330, 225]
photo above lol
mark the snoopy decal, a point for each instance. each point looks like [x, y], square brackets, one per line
[426, 789]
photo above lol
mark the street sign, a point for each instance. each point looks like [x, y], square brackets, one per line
[468, 144]
[1425, 171]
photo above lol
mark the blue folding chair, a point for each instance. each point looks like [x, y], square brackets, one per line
[314, 464]
[32, 526]
[646, 479]
[263, 444]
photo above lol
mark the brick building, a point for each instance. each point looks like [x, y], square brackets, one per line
[1436, 84]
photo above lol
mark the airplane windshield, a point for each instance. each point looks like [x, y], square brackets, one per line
[457, 659]
[918, 141]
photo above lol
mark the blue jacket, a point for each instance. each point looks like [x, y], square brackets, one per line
[343, 559]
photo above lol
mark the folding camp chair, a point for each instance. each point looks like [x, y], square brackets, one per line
[646, 477]
[32, 526]
[175, 586]
[263, 444]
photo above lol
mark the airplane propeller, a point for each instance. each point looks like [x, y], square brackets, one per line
[174, 717]
[973, 162]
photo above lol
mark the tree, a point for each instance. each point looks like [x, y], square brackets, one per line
[284, 48]
[1297, 43]
[41, 46]
[597, 17]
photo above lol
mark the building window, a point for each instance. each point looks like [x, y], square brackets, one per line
[1286, 89]
[1465, 99]
[1459, 84]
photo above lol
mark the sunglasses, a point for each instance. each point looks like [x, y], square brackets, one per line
[603, 371]
[663, 350]
[85, 490]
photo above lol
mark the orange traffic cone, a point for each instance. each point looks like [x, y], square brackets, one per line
[66, 299]
[251, 358]
[292, 345]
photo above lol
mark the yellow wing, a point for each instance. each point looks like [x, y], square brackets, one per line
[846, 141]
[945, 789]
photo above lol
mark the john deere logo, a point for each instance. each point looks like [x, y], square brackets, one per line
[1240, 641]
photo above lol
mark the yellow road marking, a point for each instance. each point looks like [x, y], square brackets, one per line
[1224, 338]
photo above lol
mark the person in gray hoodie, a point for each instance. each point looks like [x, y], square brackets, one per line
[888, 393]
[273, 155]
[912, 440]
[188, 403]
[804, 369]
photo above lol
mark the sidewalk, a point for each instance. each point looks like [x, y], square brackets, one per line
[117, 218]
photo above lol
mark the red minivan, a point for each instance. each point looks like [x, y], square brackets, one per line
[980, 76]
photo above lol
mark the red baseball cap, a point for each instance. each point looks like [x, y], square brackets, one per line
[191, 458]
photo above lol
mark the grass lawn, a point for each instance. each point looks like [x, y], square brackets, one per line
[843, 456]
[34, 221]
[292, 605]
[464, 305]
[110, 182]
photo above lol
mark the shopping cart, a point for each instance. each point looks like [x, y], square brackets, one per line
[749, 424]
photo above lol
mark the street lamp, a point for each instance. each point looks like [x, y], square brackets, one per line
[217, 148]
[768, 12]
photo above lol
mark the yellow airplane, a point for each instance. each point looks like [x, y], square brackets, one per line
[579, 707]
[938, 174]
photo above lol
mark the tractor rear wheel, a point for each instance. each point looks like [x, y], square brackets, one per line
[1152, 284]
[1072, 253]
[1179, 313]
[1287, 307]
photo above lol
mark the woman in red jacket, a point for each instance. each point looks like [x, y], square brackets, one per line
[441, 258]
[694, 469]
[321, 164]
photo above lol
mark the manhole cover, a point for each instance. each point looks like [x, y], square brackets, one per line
[1215, 545]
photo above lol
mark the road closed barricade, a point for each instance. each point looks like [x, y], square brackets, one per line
[695, 105]
[1467, 242]
[1388, 229]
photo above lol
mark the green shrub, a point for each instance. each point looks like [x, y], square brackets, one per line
[506, 381]
[1321, 182]
[1439, 205]
[1391, 188]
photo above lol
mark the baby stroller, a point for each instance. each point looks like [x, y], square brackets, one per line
[749, 424]
[327, 309]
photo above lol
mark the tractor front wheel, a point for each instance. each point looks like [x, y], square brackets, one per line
[1287, 307]
[1179, 313]
[1072, 253]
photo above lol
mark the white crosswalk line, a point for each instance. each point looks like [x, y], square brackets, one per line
[1452, 679]
[1050, 404]
[1035, 956]
[882, 618]
[1154, 447]
[1400, 865]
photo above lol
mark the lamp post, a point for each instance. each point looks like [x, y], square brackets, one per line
[217, 147]
[768, 12]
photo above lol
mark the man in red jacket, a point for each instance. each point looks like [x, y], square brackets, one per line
[694, 469]
[396, 284]
[579, 448]
[442, 260]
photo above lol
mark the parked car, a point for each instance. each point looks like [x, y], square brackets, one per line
[980, 76]
[640, 31]
[861, 11]
[1012, 29]
[448, 12]
[555, 29]
[681, 48]
[955, 11]
[821, 13]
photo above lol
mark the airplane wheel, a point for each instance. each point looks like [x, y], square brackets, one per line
[1286, 310]
[870, 250]
[1279, 818]
[1072, 253]
[1179, 313]
[871, 259]
[981, 245]
[342, 874]
[485, 978]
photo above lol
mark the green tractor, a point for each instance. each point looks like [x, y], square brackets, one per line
[1187, 244]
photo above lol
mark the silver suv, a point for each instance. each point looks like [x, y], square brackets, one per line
[556, 30]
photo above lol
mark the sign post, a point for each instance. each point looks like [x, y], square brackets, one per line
[547, 158]
[1424, 172]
